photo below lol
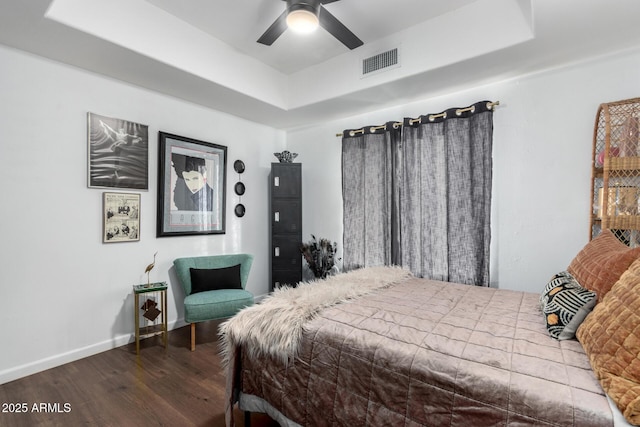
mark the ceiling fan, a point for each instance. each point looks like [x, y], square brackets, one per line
[306, 15]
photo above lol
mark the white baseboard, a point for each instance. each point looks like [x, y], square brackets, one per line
[260, 297]
[30, 368]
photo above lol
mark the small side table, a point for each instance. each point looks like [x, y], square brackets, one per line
[152, 312]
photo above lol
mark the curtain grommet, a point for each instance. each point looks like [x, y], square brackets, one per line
[459, 111]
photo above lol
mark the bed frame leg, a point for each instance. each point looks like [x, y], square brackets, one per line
[247, 419]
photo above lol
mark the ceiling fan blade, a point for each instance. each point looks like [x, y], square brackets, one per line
[327, 1]
[275, 30]
[338, 30]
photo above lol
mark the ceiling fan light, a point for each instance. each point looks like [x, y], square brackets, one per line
[302, 21]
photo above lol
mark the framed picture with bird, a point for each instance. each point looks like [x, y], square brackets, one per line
[121, 217]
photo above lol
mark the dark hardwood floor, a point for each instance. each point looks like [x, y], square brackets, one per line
[172, 387]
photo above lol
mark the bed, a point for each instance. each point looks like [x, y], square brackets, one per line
[379, 347]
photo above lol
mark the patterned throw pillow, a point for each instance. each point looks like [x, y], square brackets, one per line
[565, 304]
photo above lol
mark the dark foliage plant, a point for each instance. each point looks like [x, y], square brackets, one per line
[319, 255]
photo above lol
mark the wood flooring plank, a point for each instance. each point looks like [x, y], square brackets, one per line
[160, 387]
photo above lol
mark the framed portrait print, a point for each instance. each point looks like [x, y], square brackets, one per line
[192, 179]
[118, 153]
[120, 217]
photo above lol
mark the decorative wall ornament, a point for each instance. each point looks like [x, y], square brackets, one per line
[238, 166]
[239, 188]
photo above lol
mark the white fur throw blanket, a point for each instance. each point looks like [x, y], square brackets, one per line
[274, 327]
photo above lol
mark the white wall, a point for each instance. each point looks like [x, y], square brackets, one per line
[542, 163]
[63, 293]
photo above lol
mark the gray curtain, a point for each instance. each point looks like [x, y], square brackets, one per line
[421, 197]
[446, 196]
[370, 199]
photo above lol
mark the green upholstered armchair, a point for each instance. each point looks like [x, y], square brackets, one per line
[213, 304]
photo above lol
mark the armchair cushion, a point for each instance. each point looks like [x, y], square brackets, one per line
[218, 304]
[209, 279]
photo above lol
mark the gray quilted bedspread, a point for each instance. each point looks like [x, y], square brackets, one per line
[431, 353]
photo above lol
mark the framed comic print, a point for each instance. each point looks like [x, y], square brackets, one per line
[118, 153]
[120, 217]
[192, 179]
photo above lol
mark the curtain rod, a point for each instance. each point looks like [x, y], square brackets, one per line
[432, 117]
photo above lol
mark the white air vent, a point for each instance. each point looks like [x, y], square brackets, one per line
[381, 61]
